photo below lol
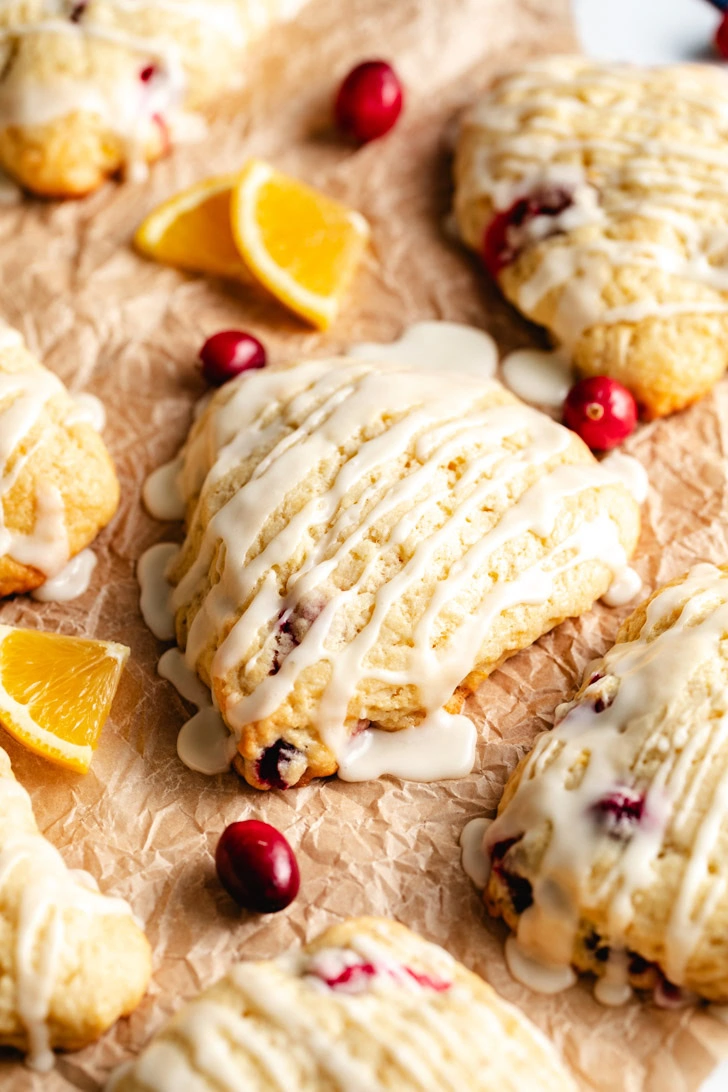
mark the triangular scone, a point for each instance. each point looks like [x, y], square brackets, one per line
[72, 961]
[367, 1007]
[595, 195]
[58, 487]
[366, 542]
[89, 87]
[610, 848]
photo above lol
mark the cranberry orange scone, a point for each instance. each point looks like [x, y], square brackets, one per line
[365, 543]
[595, 196]
[609, 850]
[368, 1006]
[92, 86]
[57, 483]
[72, 961]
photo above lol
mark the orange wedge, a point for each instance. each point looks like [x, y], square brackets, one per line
[303, 246]
[192, 230]
[56, 692]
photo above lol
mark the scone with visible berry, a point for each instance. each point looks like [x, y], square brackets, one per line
[595, 196]
[72, 961]
[609, 851]
[58, 487]
[90, 87]
[367, 1006]
[366, 542]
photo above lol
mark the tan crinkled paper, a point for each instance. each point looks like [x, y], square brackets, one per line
[110, 322]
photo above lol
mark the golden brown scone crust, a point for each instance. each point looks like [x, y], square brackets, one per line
[631, 276]
[275, 419]
[298, 1033]
[74, 109]
[655, 707]
[54, 453]
[104, 960]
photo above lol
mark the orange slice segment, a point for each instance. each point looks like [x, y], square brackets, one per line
[192, 230]
[303, 246]
[56, 692]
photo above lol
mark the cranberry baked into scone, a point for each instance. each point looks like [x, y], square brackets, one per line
[58, 487]
[367, 1006]
[366, 542]
[610, 847]
[88, 87]
[595, 196]
[72, 961]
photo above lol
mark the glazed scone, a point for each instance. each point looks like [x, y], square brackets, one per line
[368, 1006]
[90, 87]
[58, 487]
[595, 195]
[609, 851]
[72, 961]
[365, 543]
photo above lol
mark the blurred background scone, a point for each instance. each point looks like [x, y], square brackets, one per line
[368, 1005]
[595, 197]
[365, 543]
[72, 961]
[58, 487]
[91, 87]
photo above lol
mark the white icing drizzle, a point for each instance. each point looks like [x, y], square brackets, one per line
[204, 743]
[71, 582]
[435, 417]
[440, 346]
[441, 747]
[535, 123]
[608, 736]
[538, 974]
[156, 593]
[630, 472]
[23, 398]
[162, 495]
[89, 410]
[542, 378]
[292, 1000]
[623, 590]
[474, 859]
[50, 892]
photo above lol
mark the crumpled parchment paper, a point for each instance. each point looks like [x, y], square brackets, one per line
[128, 330]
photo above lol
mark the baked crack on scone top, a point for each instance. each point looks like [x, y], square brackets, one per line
[365, 543]
[90, 87]
[366, 1007]
[595, 195]
[58, 486]
[610, 847]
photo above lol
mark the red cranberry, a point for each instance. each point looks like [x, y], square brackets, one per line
[148, 73]
[504, 236]
[369, 101]
[620, 812]
[721, 37]
[354, 978]
[274, 764]
[229, 353]
[601, 411]
[78, 10]
[519, 888]
[256, 865]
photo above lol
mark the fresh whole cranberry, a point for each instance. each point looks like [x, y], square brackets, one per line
[601, 411]
[505, 235]
[619, 812]
[721, 37]
[369, 101]
[228, 353]
[256, 865]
